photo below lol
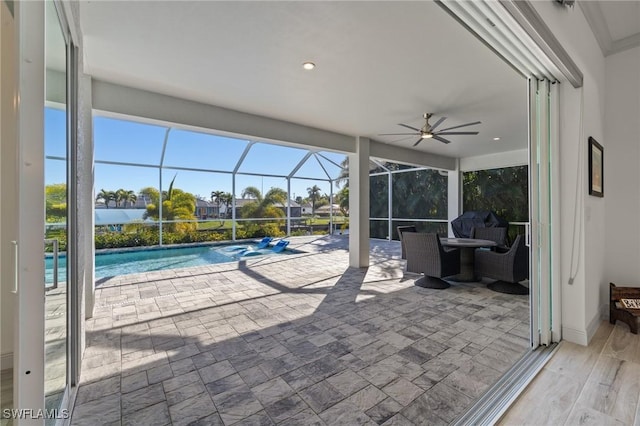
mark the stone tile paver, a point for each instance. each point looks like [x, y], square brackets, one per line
[301, 339]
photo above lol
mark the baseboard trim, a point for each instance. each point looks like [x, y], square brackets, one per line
[6, 361]
[573, 335]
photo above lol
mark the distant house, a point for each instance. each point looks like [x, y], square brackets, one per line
[206, 209]
[306, 209]
[327, 209]
[296, 209]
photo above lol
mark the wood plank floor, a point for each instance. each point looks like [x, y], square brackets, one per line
[594, 385]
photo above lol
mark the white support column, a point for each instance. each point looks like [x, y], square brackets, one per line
[359, 204]
[454, 195]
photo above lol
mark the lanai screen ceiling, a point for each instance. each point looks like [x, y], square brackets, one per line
[133, 143]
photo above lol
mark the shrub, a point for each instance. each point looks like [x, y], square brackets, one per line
[147, 236]
[60, 235]
[139, 235]
[142, 237]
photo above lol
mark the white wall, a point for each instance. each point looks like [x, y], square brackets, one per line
[498, 160]
[581, 214]
[622, 168]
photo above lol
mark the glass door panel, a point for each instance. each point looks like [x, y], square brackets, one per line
[540, 179]
[56, 327]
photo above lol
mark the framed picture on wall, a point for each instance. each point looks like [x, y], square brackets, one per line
[596, 168]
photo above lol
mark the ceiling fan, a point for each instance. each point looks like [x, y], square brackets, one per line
[428, 130]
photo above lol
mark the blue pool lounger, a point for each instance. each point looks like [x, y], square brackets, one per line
[264, 242]
[280, 246]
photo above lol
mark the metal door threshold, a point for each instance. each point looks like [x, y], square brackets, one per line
[494, 403]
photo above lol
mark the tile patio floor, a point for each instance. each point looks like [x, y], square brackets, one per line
[294, 340]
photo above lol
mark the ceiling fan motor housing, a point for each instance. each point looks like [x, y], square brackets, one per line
[427, 131]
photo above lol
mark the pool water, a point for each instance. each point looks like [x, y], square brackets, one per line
[134, 261]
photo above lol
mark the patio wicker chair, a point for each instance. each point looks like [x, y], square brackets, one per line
[507, 268]
[425, 254]
[497, 234]
[401, 229]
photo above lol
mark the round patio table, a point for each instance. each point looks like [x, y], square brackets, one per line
[467, 248]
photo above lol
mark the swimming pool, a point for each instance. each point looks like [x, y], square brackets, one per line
[125, 262]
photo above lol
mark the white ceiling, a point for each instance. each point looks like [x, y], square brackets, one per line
[615, 24]
[378, 64]
[621, 18]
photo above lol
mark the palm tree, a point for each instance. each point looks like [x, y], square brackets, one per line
[343, 177]
[314, 195]
[227, 199]
[176, 205]
[343, 200]
[130, 197]
[106, 197]
[262, 207]
[119, 195]
[216, 198]
[123, 196]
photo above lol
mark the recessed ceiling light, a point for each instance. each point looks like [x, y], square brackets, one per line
[308, 66]
[496, 139]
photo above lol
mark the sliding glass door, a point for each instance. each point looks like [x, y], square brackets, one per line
[44, 324]
[543, 101]
[56, 280]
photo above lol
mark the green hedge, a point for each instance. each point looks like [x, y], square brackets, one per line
[150, 237]
[139, 236]
[136, 235]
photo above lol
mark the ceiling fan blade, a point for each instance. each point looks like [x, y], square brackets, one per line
[401, 139]
[456, 133]
[397, 134]
[443, 140]
[462, 125]
[408, 127]
[437, 123]
[417, 142]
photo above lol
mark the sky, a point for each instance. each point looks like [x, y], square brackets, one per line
[132, 142]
